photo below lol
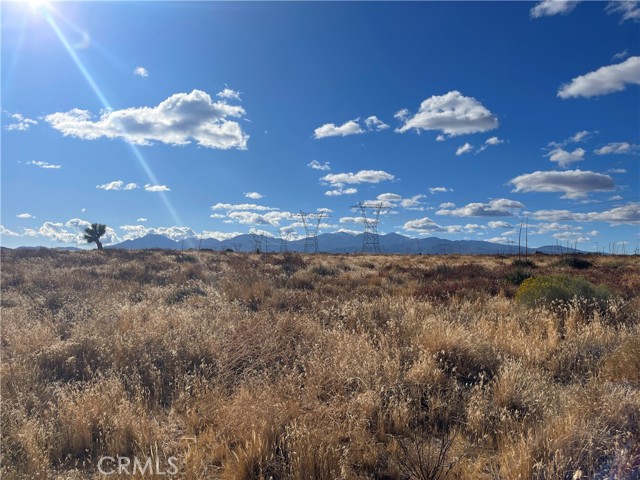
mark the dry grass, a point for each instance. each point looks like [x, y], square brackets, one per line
[314, 367]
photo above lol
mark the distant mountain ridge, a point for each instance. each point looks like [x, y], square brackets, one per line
[336, 243]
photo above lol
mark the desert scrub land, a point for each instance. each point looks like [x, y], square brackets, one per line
[288, 366]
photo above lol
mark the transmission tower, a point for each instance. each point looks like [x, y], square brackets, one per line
[370, 213]
[256, 241]
[285, 237]
[311, 223]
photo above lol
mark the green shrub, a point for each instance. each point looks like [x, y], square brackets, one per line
[290, 263]
[186, 258]
[524, 263]
[575, 262]
[183, 293]
[558, 290]
[517, 276]
[324, 271]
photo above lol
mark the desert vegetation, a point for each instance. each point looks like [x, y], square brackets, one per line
[287, 366]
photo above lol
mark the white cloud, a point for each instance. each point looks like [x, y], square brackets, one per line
[341, 191]
[618, 148]
[499, 224]
[412, 203]
[348, 231]
[25, 215]
[141, 72]
[548, 8]
[426, 226]
[402, 114]
[229, 94]
[579, 136]
[500, 207]
[7, 233]
[452, 114]
[572, 237]
[253, 195]
[466, 148]
[240, 206]
[174, 233]
[609, 79]
[500, 240]
[393, 200]
[45, 165]
[219, 235]
[252, 218]
[629, 9]
[421, 225]
[490, 142]
[447, 205]
[264, 233]
[617, 170]
[117, 185]
[627, 214]
[72, 232]
[440, 190]
[621, 55]
[178, 120]
[351, 220]
[316, 165]
[542, 228]
[575, 138]
[572, 183]
[20, 122]
[493, 141]
[374, 123]
[77, 223]
[331, 130]
[134, 231]
[156, 188]
[363, 176]
[55, 231]
[440, 138]
[217, 215]
[141, 219]
[564, 158]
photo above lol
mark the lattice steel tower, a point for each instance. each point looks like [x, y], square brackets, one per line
[256, 241]
[370, 213]
[311, 223]
[285, 237]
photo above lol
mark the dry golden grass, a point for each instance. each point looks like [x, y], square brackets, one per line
[271, 366]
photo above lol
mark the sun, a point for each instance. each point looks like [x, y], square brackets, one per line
[36, 5]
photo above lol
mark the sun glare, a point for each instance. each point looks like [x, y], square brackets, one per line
[36, 5]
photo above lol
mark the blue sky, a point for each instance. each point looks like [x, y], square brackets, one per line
[218, 118]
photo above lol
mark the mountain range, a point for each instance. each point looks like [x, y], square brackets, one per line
[335, 243]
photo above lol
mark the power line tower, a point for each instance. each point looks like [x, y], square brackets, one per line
[311, 223]
[256, 241]
[370, 213]
[286, 235]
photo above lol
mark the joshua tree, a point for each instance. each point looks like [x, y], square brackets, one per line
[93, 233]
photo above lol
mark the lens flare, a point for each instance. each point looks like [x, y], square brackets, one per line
[89, 79]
